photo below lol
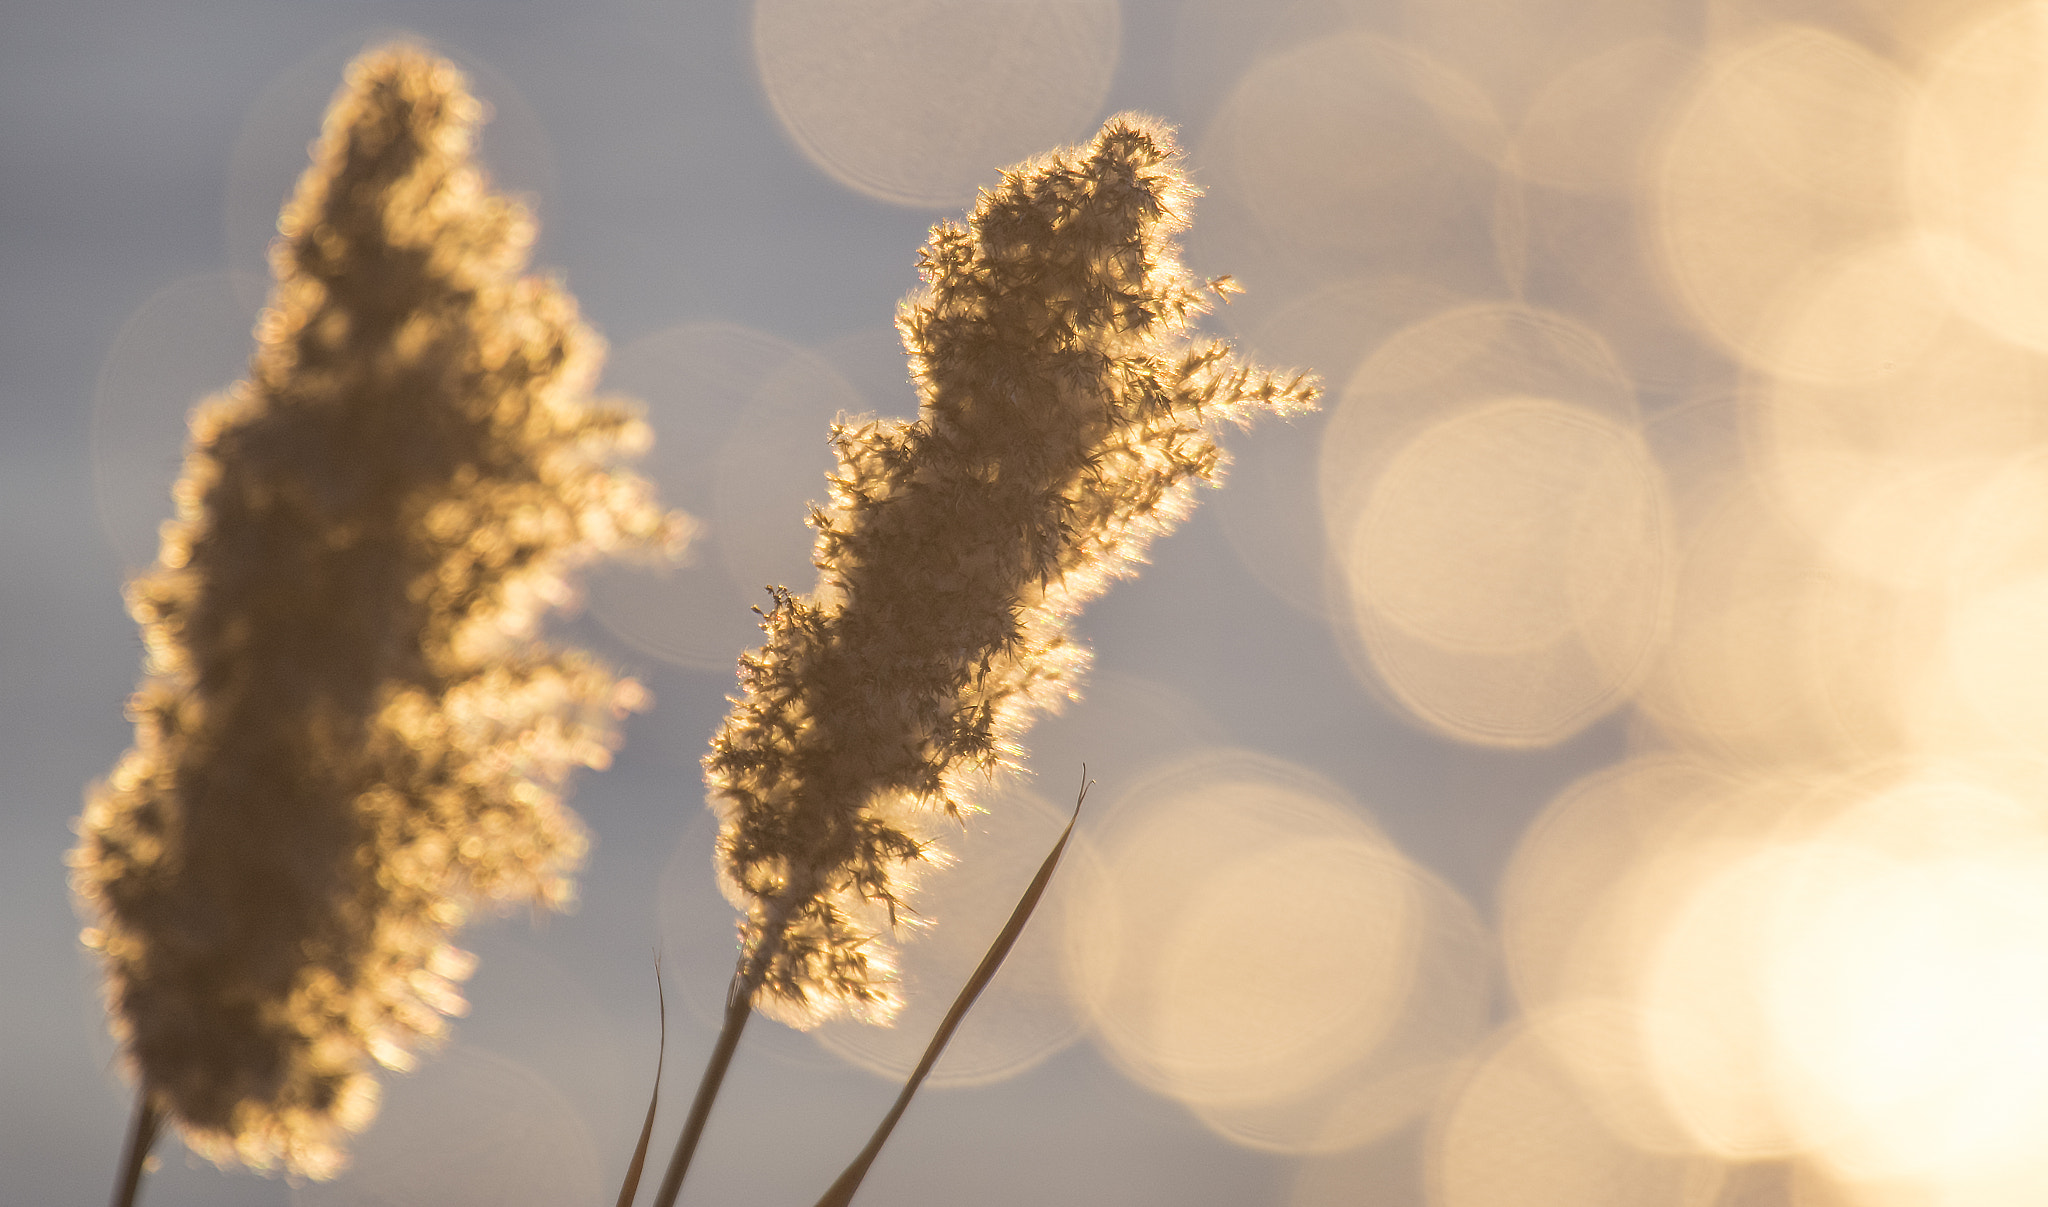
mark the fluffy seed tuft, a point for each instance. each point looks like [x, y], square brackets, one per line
[350, 731]
[1065, 416]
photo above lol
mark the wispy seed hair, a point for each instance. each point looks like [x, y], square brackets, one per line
[349, 731]
[1064, 416]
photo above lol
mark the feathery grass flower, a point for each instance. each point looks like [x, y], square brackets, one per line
[1064, 418]
[349, 730]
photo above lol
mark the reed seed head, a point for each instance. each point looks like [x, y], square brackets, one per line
[349, 731]
[1065, 415]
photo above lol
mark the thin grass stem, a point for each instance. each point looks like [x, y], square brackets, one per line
[142, 1130]
[631, 1186]
[739, 1007]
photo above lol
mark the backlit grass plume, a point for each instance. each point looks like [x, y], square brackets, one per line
[349, 731]
[1065, 415]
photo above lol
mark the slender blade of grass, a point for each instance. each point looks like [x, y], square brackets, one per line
[141, 1136]
[739, 1007]
[842, 1191]
[631, 1186]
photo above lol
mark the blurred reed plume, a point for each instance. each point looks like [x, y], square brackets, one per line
[349, 731]
[1064, 419]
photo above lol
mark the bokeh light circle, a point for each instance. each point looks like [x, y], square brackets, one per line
[1510, 570]
[911, 102]
[1784, 157]
[1315, 136]
[1254, 948]
[1978, 173]
[1519, 1133]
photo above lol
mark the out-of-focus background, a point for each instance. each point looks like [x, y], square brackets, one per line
[1596, 760]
